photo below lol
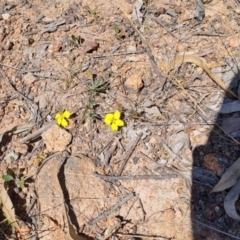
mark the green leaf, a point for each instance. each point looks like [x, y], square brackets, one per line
[74, 40]
[116, 29]
[21, 183]
[93, 12]
[7, 178]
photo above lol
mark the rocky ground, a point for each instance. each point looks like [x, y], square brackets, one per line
[170, 68]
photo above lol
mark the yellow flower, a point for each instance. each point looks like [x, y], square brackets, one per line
[62, 118]
[113, 119]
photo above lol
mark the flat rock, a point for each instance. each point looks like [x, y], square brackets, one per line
[135, 81]
[56, 139]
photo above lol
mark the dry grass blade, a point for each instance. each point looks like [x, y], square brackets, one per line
[8, 208]
[201, 62]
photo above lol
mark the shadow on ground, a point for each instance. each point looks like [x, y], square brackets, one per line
[209, 219]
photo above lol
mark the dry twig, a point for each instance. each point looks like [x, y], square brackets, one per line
[112, 209]
[128, 154]
[135, 177]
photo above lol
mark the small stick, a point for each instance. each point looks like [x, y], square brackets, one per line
[37, 133]
[162, 25]
[107, 144]
[149, 159]
[141, 236]
[119, 54]
[134, 177]
[173, 154]
[110, 231]
[119, 143]
[108, 153]
[128, 154]
[112, 209]
[21, 70]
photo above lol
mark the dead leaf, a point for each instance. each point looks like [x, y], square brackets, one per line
[231, 124]
[229, 178]
[230, 107]
[229, 202]
[8, 208]
[200, 10]
[137, 14]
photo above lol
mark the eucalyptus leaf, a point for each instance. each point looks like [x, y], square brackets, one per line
[229, 178]
[229, 201]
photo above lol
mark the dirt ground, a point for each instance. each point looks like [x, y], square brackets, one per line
[170, 68]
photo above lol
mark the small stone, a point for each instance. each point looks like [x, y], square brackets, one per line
[55, 47]
[132, 47]
[5, 16]
[22, 195]
[135, 81]
[9, 45]
[187, 15]
[21, 164]
[233, 42]
[168, 215]
[166, 19]
[181, 47]
[16, 190]
[90, 46]
[153, 141]
[153, 112]
[20, 148]
[25, 190]
[56, 139]
[29, 78]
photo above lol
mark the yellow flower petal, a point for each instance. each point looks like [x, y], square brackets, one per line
[59, 120]
[108, 118]
[119, 122]
[117, 115]
[64, 122]
[114, 127]
[66, 114]
[58, 115]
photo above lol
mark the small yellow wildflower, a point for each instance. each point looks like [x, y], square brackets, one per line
[62, 118]
[113, 119]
